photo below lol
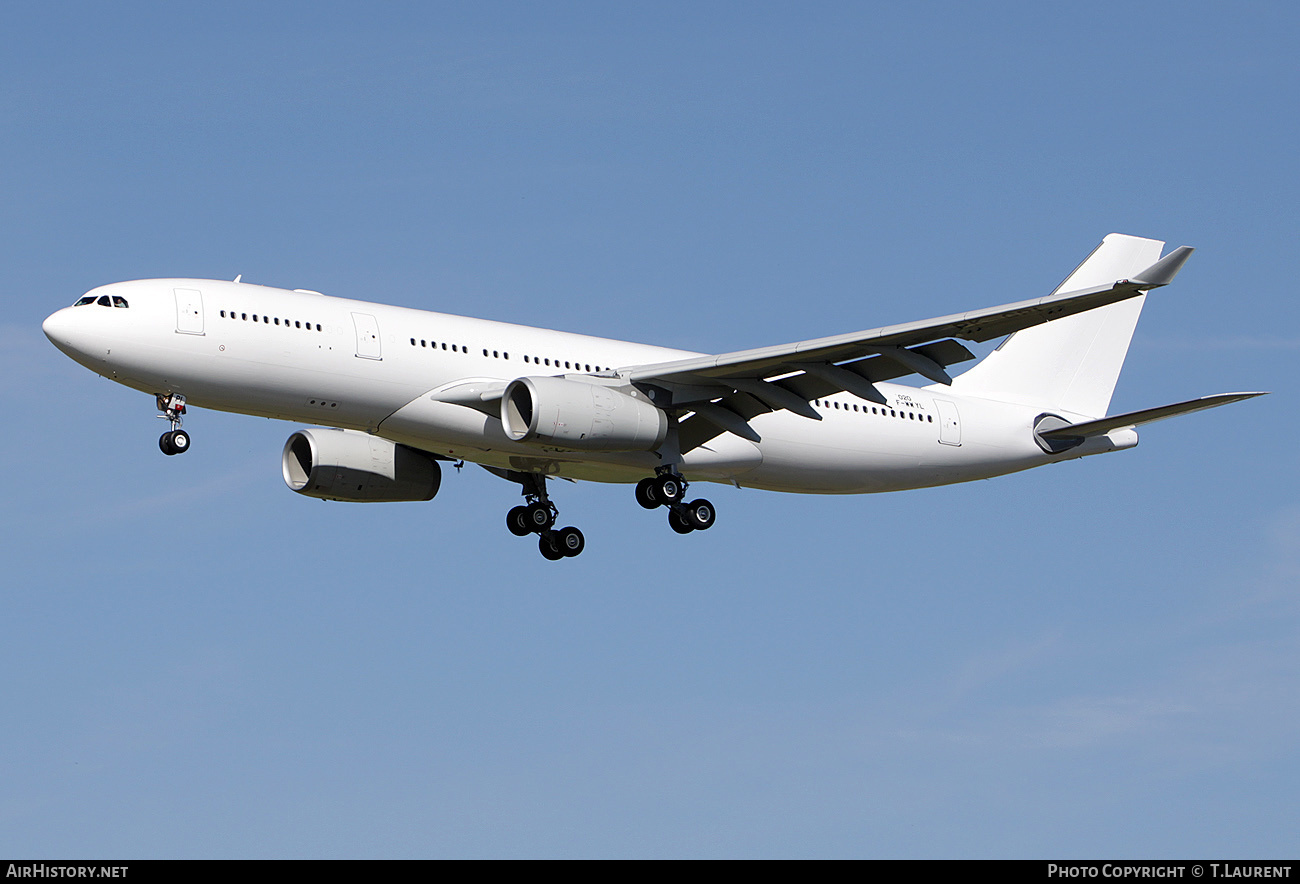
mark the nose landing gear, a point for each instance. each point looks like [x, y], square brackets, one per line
[175, 440]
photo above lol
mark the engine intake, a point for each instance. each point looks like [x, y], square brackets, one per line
[580, 416]
[334, 464]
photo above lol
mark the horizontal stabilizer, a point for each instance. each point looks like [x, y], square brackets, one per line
[1148, 415]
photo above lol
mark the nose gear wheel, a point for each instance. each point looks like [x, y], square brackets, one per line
[176, 440]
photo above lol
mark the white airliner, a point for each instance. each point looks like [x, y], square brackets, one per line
[399, 390]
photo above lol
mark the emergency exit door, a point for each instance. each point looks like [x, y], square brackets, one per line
[189, 311]
[367, 327]
[949, 422]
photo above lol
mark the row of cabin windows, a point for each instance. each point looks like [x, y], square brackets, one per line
[555, 363]
[498, 354]
[884, 412]
[269, 320]
[453, 347]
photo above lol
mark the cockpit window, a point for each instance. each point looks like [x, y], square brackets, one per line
[103, 301]
[83, 300]
[119, 301]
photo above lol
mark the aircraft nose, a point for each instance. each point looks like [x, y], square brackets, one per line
[68, 330]
[57, 325]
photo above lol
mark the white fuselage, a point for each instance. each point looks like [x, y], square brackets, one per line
[302, 356]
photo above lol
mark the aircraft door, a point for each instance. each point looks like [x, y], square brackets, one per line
[949, 422]
[189, 311]
[368, 346]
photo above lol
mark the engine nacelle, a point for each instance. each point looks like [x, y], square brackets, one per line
[357, 467]
[580, 416]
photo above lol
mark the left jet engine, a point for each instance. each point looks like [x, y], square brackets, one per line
[580, 416]
[335, 464]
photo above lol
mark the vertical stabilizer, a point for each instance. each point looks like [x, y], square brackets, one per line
[1070, 364]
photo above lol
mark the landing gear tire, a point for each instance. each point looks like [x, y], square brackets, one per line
[517, 522]
[668, 490]
[699, 514]
[548, 544]
[539, 517]
[645, 493]
[176, 440]
[678, 522]
[570, 541]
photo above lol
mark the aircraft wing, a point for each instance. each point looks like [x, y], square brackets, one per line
[726, 390]
[894, 342]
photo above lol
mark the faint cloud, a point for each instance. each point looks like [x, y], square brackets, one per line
[32, 369]
[1281, 576]
[1235, 682]
[24, 353]
[1273, 580]
[1285, 534]
[176, 499]
[986, 669]
[1066, 722]
[180, 496]
[1078, 722]
[1195, 712]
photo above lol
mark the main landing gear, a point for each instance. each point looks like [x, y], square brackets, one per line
[175, 440]
[538, 516]
[669, 489]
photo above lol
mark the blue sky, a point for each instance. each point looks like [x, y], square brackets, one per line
[1092, 659]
